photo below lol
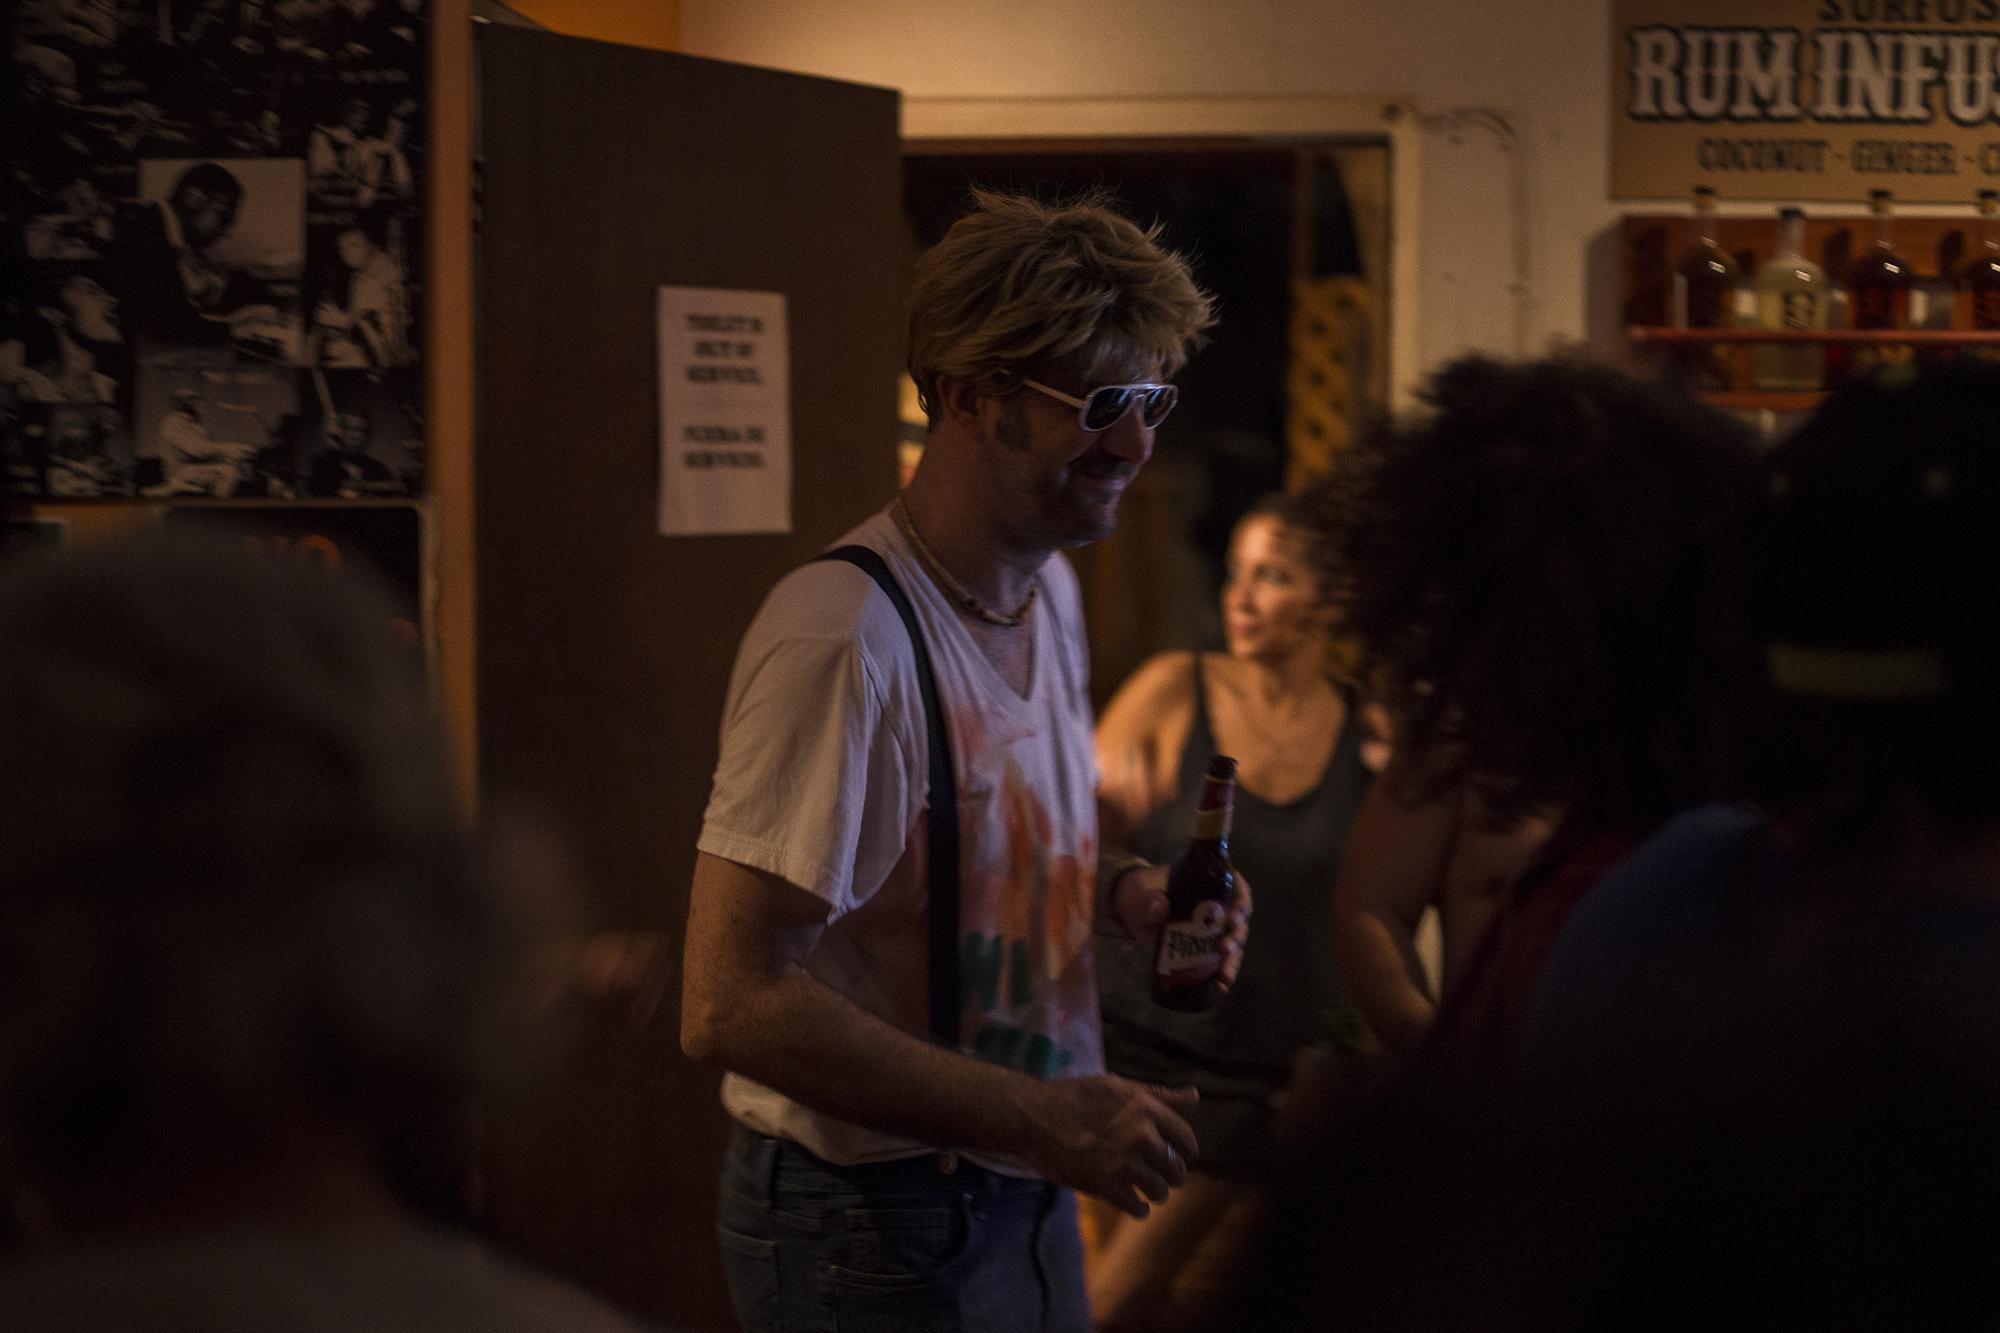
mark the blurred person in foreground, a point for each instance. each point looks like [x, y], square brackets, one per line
[1796, 1005]
[1547, 576]
[252, 964]
[1283, 701]
[1550, 576]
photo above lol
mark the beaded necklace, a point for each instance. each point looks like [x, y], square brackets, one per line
[960, 595]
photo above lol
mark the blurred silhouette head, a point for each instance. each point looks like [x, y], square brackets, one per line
[238, 907]
[1879, 607]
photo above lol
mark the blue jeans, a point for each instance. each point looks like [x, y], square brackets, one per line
[925, 1243]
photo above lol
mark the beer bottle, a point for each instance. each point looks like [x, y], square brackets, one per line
[1187, 961]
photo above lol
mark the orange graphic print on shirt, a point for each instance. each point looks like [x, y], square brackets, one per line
[1025, 970]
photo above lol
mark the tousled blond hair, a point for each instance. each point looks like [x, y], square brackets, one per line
[1019, 288]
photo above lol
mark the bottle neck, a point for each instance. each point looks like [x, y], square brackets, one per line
[1989, 231]
[1792, 239]
[1211, 826]
[1212, 813]
[1705, 231]
[1884, 226]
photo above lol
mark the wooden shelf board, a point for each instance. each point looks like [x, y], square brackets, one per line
[1914, 337]
[1758, 400]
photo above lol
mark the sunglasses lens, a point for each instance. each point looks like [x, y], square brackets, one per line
[1158, 403]
[1106, 405]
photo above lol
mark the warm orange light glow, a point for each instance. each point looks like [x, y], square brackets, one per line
[653, 23]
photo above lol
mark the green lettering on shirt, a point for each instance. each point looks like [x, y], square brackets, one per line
[980, 971]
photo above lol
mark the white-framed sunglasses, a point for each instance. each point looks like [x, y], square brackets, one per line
[1101, 408]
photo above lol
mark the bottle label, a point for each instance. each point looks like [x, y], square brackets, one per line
[1191, 950]
[1874, 308]
[1800, 310]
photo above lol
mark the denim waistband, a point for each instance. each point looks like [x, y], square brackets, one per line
[762, 1156]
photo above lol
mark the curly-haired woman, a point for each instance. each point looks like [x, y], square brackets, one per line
[1547, 573]
[1284, 705]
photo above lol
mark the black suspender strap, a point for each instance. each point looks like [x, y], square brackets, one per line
[943, 850]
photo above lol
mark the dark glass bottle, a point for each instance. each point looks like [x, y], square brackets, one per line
[1980, 280]
[1187, 960]
[1879, 283]
[1704, 281]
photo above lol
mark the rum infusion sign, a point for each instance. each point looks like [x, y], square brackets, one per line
[1806, 99]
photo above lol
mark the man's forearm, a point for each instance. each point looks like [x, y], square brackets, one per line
[814, 1045]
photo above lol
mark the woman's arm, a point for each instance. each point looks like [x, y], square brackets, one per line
[1391, 870]
[1139, 743]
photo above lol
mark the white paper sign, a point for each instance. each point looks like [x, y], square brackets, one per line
[725, 412]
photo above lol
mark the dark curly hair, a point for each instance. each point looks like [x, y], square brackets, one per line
[1546, 574]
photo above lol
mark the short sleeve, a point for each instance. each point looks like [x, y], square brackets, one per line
[812, 782]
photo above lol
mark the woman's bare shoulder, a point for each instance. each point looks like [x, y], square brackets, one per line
[1153, 697]
[1161, 677]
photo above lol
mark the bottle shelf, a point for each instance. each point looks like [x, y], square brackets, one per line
[1724, 365]
[1760, 400]
[1937, 248]
[1669, 337]
[1718, 363]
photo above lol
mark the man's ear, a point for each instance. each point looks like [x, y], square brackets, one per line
[959, 399]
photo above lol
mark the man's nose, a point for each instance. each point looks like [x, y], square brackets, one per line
[1129, 439]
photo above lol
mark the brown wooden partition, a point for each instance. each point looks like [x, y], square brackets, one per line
[603, 647]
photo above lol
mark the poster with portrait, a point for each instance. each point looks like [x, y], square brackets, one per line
[210, 240]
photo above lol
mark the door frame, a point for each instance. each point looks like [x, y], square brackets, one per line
[1176, 121]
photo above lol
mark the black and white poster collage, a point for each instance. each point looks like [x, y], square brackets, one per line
[213, 239]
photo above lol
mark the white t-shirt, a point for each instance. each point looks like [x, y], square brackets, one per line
[823, 781]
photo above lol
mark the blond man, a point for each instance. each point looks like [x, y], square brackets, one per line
[883, 1174]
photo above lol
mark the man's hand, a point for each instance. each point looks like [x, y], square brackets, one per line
[1122, 1141]
[1139, 904]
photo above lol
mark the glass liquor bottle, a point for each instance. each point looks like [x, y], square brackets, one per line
[1704, 279]
[1880, 279]
[1702, 295]
[1791, 296]
[1979, 281]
